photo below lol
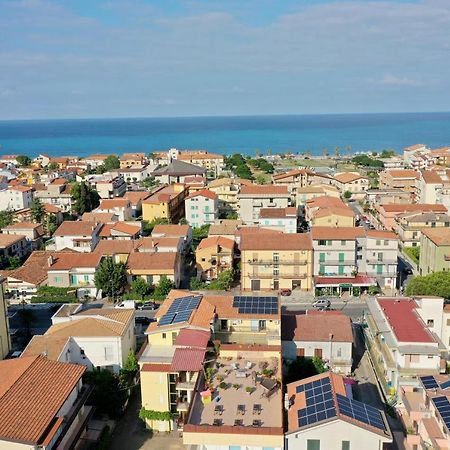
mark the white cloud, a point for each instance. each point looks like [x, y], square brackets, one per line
[391, 80]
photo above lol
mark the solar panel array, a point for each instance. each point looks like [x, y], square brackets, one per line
[445, 385]
[443, 406]
[180, 310]
[255, 305]
[319, 402]
[429, 382]
[360, 411]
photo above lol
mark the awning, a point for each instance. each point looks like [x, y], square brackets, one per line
[192, 338]
[357, 281]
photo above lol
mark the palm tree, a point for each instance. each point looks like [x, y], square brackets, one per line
[336, 152]
[325, 152]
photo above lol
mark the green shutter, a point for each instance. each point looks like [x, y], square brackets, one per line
[321, 257]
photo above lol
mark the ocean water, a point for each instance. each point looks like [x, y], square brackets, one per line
[245, 134]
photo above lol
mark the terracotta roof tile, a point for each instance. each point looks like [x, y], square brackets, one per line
[264, 190]
[171, 230]
[79, 228]
[278, 213]
[204, 193]
[215, 241]
[193, 338]
[67, 260]
[336, 233]
[9, 239]
[48, 345]
[99, 217]
[136, 196]
[110, 203]
[189, 359]
[440, 236]
[403, 173]
[158, 261]
[348, 177]
[402, 208]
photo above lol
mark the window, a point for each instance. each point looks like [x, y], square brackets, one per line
[86, 278]
[345, 445]
[386, 242]
[276, 257]
[321, 242]
[378, 242]
[58, 279]
[430, 323]
[313, 444]
[343, 242]
[164, 335]
[339, 352]
[276, 271]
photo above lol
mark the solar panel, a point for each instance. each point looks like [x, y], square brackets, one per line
[443, 406]
[166, 319]
[360, 411]
[429, 382]
[180, 310]
[255, 305]
[445, 385]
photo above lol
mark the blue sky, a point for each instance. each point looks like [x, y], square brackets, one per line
[150, 58]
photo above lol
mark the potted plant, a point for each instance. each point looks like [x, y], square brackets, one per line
[236, 386]
[249, 390]
[223, 385]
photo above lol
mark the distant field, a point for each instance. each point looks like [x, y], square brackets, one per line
[318, 163]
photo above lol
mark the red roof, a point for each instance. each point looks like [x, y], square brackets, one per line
[204, 193]
[187, 359]
[404, 321]
[192, 338]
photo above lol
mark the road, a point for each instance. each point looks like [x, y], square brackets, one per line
[353, 310]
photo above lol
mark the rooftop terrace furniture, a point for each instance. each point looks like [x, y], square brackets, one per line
[248, 365]
[238, 422]
[241, 409]
[257, 408]
[218, 409]
[217, 422]
[256, 423]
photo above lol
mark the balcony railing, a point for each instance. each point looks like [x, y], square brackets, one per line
[337, 262]
[280, 275]
[281, 262]
[183, 385]
[375, 260]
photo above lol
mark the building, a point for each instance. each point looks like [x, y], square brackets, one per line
[433, 186]
[175, 231]
[213, 255]
[136, 198]
[434, 250]
[201, 208]
[269, 263]
[227, 190]
[5, 340]
[326, 335]
[282, 219]
[33, 233]
[385, 196]
[107, 186]
[212, 162]
[121, 207]
[16, 197]
[75, 270]
[226, 228]
[422, 412]
[322, 415]
[176, 377]
[151, 266]
[42, 404]
[329, 212]
[13, 245]
[93, 161]
[166, 202]
[387, 213]
[402, 179]
[81, 236]
[409, 226]
[403, 340]
[352, 182]
[176, 171]
[129, 160]
[95, 338]
[304, 194]
[57, 193]
[256, 197]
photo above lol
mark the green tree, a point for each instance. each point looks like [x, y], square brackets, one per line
[147, 227]
[14, 262]
[163, 288]
[50, 224]
[140, 287]
[261, 179]
[111, 277]
[37, 210]
[111, 162]
[85, 198]
[435, 284]
[23, 161]
[6, 218]
[231, 215]
[223, 282]
[131, 364]
[347, 195]
[53, 166]
[387, 153]
[148, 182]
[413, 253]
[198, 234]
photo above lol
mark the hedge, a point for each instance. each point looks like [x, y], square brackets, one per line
[154, 415]
[54, 299]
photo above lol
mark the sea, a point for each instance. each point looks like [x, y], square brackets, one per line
[240, 134]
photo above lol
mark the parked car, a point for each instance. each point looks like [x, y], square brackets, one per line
[322, 302]
[143, 320]
[148, 306]
[286, 292]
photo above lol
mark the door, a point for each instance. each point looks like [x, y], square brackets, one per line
[341, 270]
[321, 257]
[276, 285]
[318, 353]
[256, 285]
[379, 269]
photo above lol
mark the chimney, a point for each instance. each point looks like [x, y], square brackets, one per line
[50, 261]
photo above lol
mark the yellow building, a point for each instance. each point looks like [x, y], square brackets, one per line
[227, 190]
[329, 211]
[5, 342]
[284, 262]
[214, 255]
[128, 160]
[165, 203]
[237, 386]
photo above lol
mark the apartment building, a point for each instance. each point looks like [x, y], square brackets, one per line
[201, 208]
[95, 337]
[227, 190]
[402, 179]
[417, 156]
[166, 202]
[352, 182]
[56, 194]
[5, 340]
[93, 161]
[107, 186]
[212, 162]
[128, 160]
[49, 414]
[326, 335]
[176, 172]
[33, 233]
[121, 207]
[385, 196]
[423, 414]
[306, 193]
[434, 250]
[329, 212]
[281, 219]
[16, 197]
[177, 378]
[256, 197]
[175, 231]
[136, 198]
[322, 415]
[403, 337]
[81, 236]
[433, 186]
[269, 263]
[213, 255]
[121, 231]
[387, 213]
[409, 226]
[13, 245]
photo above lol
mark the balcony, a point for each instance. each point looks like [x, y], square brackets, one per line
[183, 406]
[337, 262]
[281, 262]
[375, 260]
[266, 275]
[183, 385]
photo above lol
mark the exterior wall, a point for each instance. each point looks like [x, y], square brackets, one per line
[332, 434]
[433, 258]
[14, 199]
[19, 248]
[445, 333]
[333, 220]
[201, 211]
[249, 207]
[222, 441]
[204, 258]
[284, 224]
[5, 342]
[294, 267]
[334, 257]
[86, 246]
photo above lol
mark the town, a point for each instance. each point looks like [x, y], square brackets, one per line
[186, 298]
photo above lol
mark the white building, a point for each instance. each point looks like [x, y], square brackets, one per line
[405, 339]
[81, 236]
[16, 197]
[201, 208]
[324, 334]
[322, 415]
[121, 207]
[95, 338]
[281, 219]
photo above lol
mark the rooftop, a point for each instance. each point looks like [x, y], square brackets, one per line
[402, 208]
[204, 193]
[403, 173]
[439, 236]
[348, 177]
[78, 228]
[179, 168]
[265, 241]
[171, 230]
[157, 261]
[278, 213]
[265, 190]
[110, 203]
[216, 241]
[9, 239]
